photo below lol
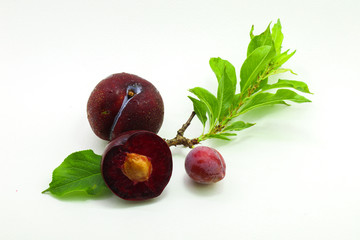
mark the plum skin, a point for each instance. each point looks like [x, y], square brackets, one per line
[205, 165]
[145, 144]
[124, 102]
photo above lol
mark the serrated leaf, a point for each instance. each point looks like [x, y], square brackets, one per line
[277, 36]
[200, 110]
[254, 64]
[219, 65]
[263, 99]
[264, 39]
[238, 126]
[225, 94]
[282, 83]
[210, 101]
[80, 171]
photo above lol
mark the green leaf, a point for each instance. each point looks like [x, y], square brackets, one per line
[80, 171]
[225, 94]
[238, 126]
[277, 36]
[282, 58]
[282, 70]
[227, 134]
[210, 101]
[200, 110]
[264, 39]
[263, 99]
[263, 83]
[222, 136]
[255, 64]
[226, 76]
[236, 100]
[219, 65]
[252, 32]
[281, 83]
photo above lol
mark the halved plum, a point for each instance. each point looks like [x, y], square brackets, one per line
[137, 165]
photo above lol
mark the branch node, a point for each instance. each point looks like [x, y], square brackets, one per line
[180, 139]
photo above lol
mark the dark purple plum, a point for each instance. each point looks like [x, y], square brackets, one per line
[137, 165]
[124, 102]
[205, 165]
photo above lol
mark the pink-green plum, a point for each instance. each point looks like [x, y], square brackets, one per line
[205, 165]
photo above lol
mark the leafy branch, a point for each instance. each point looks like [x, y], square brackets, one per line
[218, 114]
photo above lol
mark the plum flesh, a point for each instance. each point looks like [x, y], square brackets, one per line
[205, 165]
[137, 165]
[124, 102]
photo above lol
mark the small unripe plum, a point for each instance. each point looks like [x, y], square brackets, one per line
[124, 102]
[137, 165]
[205, 165]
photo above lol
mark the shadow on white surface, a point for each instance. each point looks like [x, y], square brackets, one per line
[107, 199]
[118, 203]
[80, 196]
[203, 190]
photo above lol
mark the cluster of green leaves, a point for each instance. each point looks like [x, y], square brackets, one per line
[264, 59]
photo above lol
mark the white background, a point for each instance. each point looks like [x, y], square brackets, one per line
[294, 175]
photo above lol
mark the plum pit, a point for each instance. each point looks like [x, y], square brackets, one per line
[137, 167]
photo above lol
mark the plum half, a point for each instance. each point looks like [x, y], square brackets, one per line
[124, 102]
[137, 165]
[205, 165]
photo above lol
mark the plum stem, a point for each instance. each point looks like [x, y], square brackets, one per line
[180, 139]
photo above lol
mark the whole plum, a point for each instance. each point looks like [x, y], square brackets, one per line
[205, 165]
[124, 102]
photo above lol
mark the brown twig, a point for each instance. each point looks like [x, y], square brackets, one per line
[180, 139]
